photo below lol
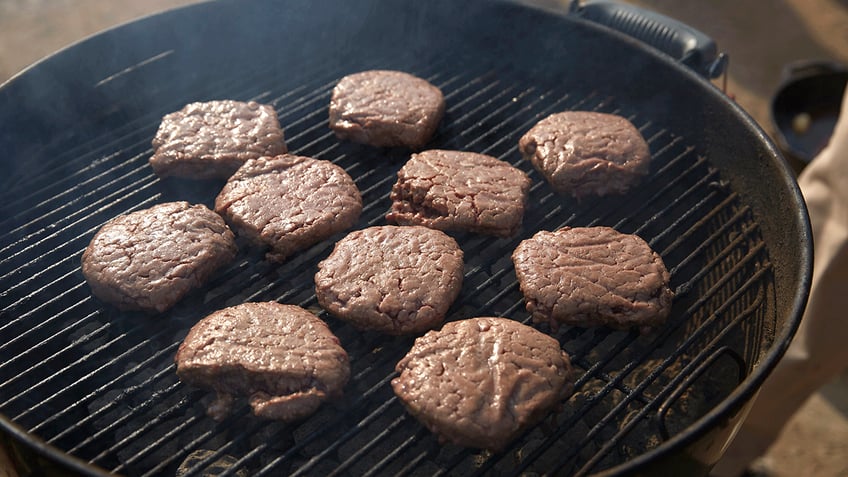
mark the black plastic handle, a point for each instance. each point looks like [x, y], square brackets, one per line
[678, 40]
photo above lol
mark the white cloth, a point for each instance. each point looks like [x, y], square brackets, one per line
[819, 351]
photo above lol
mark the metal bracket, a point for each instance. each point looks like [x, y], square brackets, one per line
[691, 378]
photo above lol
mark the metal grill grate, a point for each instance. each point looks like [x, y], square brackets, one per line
[100, 385]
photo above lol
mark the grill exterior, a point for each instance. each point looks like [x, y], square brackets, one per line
[100, 385]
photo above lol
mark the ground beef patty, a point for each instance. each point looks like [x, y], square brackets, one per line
[586, 153]
[386, 108]
[453, 190]
[481, 382]
[593, 276]
[288, 202]
[150, 259]
[282, 357]
[213, 139]
[396, 280]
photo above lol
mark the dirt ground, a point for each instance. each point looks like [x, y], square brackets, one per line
[815, 442]
[760, 36]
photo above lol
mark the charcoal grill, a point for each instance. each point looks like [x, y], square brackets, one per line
[94, 390]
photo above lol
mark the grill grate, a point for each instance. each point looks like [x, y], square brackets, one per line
[100, 384]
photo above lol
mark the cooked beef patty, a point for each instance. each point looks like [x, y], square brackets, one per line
[288, 202]
[585, 153]
[453, 190]
[593, 276]
[386, 108]
[150, 259]
[282, 357]
[213, 139]
[481, 382]
[392, 279]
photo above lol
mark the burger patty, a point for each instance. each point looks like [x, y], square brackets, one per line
[386, 108]
[213, 139]
[481, 382]
[453, 190]
[396, 280]
[282, 357]
[593, 276]
[288, 203]
[150, 259]
[586, 153]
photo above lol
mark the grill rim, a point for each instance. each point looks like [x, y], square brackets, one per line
[732, 404]
[38, 445]
[741, 398]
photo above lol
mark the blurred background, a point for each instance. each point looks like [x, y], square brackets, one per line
[761, 37]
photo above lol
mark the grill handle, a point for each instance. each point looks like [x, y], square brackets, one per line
[691, 47]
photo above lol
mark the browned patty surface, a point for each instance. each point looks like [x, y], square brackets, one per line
[213, 139]
[282, 357]
[288, 202]
[396, 280]
[454, 190]
[386, 108]
[592, 276]
[481, 382]
[150, 259]
[587, 153]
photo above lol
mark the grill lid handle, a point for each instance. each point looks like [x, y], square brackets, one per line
[691, 47]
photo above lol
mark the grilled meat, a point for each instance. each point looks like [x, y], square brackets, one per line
[586, 153]
[150, 259]
[282, 357]
[288, 203]
[396, 280]
[213, 139]
[453, 190]
[481, 382]
[386, 108]
[589, 276]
